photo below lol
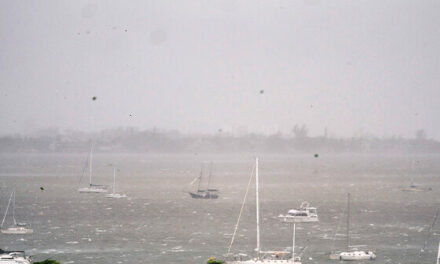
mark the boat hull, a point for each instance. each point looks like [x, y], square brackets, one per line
[116, 195]
[12, 258]
[92, 190]
[291, 219]
[263, 261]
[357, 255]
[17, 231]
[205, 195]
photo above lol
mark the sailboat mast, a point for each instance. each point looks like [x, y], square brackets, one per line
[438, 254]
[114, 179]
[257, 207]
[90, 168]
[348, 221]
[293, 244]
[13, 209]
[210, 174]
[6, 211]
[200, 178]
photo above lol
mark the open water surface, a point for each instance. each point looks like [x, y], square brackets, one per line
[160, 223]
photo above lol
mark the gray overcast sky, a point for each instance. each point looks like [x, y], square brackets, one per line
[355, 67]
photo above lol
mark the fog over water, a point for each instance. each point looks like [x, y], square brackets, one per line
[353, 67]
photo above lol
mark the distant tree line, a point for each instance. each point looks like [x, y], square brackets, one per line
[134, 140]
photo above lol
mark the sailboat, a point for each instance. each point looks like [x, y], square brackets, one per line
[92, 188]
[413, 187]
[114, 194]
[207, 193]
[416, 188]
[264, 257]
[17, 228]
[352, 254]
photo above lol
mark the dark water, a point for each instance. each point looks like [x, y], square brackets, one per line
[160, 223]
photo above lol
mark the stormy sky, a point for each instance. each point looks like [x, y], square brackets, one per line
[354, 67]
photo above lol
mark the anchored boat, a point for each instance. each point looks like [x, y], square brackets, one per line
[352, 254]
[92, 188]
[207, 193]
[17, 228]
[14, 257]
[263, 257]
[114, 194]
[304, 214]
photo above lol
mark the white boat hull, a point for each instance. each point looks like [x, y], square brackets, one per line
[17, 231]
[11, 259]
[92, 190]
[263, 261]
[298, 219]
[116, 195]
[357, 255]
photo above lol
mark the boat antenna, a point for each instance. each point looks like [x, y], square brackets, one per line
[293, 244]
[241, 209]
[257, 208]
[348, 221]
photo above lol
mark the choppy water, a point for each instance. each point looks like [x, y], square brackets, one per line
[160, 223]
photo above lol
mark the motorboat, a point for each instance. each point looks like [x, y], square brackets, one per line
[14, 257]
[304, 214]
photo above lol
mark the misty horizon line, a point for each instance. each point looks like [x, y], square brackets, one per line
[298, 131]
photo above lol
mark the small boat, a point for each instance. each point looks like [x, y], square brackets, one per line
[263, 257]
[352, 254]
[207, 193]
[17, 228]
[357, 255]
[92, 188]
[304, 214]
[415, 188]
[14, 257]
[114, 194]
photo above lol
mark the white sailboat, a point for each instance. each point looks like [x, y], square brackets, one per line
[17, 228]
[114, 194]
[92, 188]
[351, 254]
[264, 257]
